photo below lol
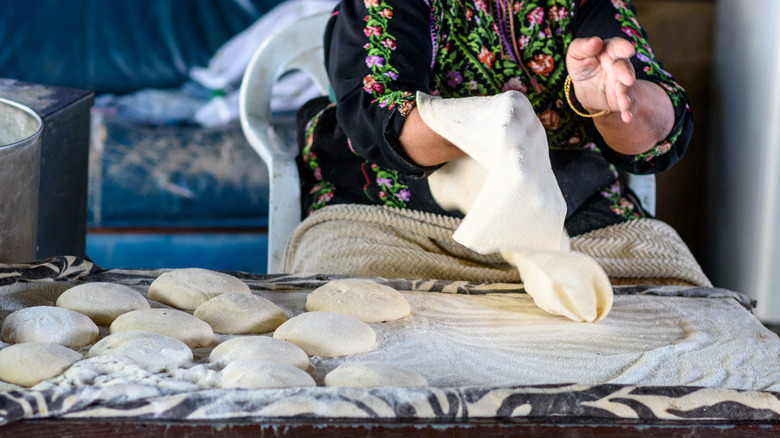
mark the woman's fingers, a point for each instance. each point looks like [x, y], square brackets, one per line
[582, 59]
[621, 74]
[618, 48]
[603, 76]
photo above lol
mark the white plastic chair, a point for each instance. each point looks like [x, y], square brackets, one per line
[644, 188]
[299, 47]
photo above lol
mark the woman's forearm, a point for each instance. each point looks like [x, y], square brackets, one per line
[652, 120]
[424, 146]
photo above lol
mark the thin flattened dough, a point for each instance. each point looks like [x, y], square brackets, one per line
[365, 300]
[188, 288]
[102, 302]
[328, 334]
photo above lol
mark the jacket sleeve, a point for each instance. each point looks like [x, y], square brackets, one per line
[378, 55]
[617, 18]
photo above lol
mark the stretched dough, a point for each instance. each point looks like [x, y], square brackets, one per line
[372, 374]
[33, 362]
[151, 351]
[240, 314]
[513, 174]
[49, 324]
[518, 209]
[170, 322]
[569, 284]
[365, 300]
[259, 347]
[188, 288]
[260, 374]
[102, 302]
[328, 334]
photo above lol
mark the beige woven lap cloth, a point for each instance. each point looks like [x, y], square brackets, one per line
[389, 242]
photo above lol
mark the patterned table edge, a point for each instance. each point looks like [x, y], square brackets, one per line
[64, 268]
[601, 402]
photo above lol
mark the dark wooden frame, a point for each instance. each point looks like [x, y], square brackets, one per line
[498, 428]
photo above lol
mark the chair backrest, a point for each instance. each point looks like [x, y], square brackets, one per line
[298, 47]
[643, 187]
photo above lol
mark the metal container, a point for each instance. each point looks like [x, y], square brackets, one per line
[20, 152]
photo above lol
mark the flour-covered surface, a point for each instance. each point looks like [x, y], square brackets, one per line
[487, 351]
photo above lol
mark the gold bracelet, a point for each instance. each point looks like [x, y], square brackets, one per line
[566, 87]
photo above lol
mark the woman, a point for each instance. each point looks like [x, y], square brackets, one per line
[368, 145]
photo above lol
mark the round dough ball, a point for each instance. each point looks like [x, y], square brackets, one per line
[371, 374]
[328, 334]
[170, 322]
[365, 300]
[259, 347]
[257, 373]
[240, 314]
[102, 302]
[189, 288]
[33, 362]
[151, 351]
[49, 324]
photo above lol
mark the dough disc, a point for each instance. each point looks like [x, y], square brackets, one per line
[240, 314]
[372, 374]
[365, 300]
[328, 334]
[256, 373]
[259, 347]
[170, 322]
[102, 302]
[49, 324]
[152, 351]
[189, 288]
[33, 362]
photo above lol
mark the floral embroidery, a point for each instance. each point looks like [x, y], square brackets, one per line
[523, 41]
[379, 50]
[659, 149]
[514, 84]
[542, 64]
[322, 191]
[536, 16]
[619, 4]
[392, 193]
[486, 57]
[372, 61]
[621, 205]
[454, 79]
[403, 98]
[550, 119]
[557, 14]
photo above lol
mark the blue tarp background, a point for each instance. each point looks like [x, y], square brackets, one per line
[116, 46]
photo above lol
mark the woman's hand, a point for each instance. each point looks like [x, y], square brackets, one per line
[604, 79]
[602, 74]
